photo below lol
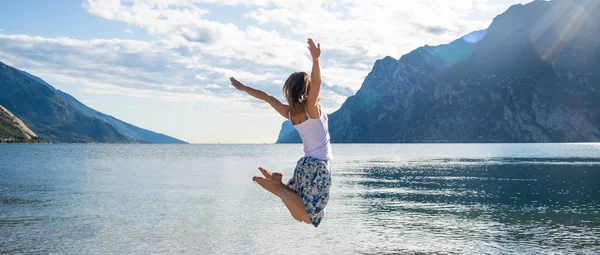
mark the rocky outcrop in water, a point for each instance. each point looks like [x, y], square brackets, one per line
[532, 76]
[13, 130]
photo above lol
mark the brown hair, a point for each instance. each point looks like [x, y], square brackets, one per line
[295, 91]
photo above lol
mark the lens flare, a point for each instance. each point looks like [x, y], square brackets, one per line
[559, 27]
[474, 37]
[446, 56]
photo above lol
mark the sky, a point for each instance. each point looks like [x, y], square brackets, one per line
[164, 65]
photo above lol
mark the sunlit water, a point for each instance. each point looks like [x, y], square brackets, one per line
[199, 199]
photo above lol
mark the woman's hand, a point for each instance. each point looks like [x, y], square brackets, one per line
[315, 50]
[236, 84]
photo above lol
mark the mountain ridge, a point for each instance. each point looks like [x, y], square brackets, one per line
[57, 116]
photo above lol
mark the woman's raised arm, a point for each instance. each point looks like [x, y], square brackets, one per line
[282, 109]
[315, 75]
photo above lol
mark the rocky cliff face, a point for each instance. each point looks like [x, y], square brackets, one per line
[13, 130]
[532, 76]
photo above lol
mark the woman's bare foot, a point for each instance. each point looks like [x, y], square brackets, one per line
[277, 177]
[272, 181]
[268, 175]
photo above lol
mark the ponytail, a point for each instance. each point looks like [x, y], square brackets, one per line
[295, 90]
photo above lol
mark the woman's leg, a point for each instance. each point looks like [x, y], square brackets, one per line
[273, 183]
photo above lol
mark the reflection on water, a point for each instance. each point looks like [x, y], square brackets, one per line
[497, 207]
[385, 199]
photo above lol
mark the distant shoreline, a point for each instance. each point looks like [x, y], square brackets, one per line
[35, 140]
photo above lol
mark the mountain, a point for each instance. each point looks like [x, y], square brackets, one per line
[12, 129]
[131, 132]
[532, 76]
[58, 117]
[288, 134]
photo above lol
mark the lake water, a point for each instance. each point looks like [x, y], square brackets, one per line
[385, 198]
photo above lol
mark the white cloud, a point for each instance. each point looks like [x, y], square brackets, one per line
[213, 86]
[127, 30]
[120, 67]
[242, 75]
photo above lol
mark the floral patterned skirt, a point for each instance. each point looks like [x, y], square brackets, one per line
[311, 181]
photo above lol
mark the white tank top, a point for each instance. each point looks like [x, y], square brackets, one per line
[315, 136]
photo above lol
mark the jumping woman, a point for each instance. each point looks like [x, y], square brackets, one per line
[307, 192]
